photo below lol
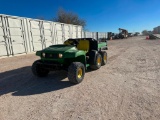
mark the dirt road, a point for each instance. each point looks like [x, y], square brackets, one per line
[127, 88]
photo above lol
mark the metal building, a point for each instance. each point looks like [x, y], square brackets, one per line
[19, 35]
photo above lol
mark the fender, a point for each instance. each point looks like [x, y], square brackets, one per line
[78, 56]
[92, 57]
[38, 53]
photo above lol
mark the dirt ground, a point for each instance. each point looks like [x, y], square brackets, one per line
[127, 88]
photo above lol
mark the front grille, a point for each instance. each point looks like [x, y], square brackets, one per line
[51, 55]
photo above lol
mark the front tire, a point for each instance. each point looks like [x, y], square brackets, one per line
[76, 72]
[39, 71]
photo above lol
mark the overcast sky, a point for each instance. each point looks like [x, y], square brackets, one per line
[100, 15]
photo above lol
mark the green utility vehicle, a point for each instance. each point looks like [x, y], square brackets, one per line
[74, 56]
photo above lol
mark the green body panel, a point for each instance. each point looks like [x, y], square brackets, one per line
[38, 53]
[87, 65]
[69, 54]
[67, 51]
[102, 44]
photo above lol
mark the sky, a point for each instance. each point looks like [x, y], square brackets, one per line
[100, 15]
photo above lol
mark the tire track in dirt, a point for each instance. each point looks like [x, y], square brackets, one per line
[112, 58]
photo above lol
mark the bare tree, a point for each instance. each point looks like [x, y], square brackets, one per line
[69, 18]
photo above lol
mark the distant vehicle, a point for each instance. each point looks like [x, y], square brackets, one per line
[136, 33]
[123, 33]
[130, 34]
[116, 36]
[112, 36]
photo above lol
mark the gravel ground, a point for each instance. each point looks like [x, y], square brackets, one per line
[127, 88]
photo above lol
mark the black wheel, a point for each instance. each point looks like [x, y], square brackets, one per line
[97, 62]
[38, 70]
[104, 57]
[76, 72]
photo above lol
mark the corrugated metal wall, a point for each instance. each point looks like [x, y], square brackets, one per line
[20, 35]
[95, 35]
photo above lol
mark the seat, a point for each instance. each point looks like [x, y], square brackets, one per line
[83, 45]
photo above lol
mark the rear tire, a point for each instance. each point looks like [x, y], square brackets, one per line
[76, 72]
[38, 70]
[97, 63]
[104, 57]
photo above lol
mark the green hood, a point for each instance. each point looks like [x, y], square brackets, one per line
[68, 51]
[60, 48]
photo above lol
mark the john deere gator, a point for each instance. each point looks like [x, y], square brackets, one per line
[74, 56]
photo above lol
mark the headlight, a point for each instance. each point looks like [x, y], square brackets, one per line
[43, 54]
[60, 55]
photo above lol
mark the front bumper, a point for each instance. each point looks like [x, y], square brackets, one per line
[51, 65]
